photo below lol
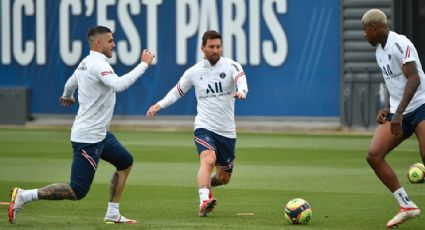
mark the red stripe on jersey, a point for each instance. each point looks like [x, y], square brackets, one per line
[104, 73]
[179, 88]
[89, 158]
[204, 143]
[241, 74]
[407, 52]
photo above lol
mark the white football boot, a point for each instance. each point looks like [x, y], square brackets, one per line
[16, 203]
[119, 220]
[403, 215]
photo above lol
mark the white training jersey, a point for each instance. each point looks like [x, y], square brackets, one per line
[97, 85]
[214, 90]
[398, 51]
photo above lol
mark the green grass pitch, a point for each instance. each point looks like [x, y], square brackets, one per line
[329, 171]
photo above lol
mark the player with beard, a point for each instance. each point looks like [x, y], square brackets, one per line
[217, 82]
[91, 139]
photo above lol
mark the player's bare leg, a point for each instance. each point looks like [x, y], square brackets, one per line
[207, 164]
[58, 191]
[382, 143]
[420, 135]
[411, 212]
[19, 196]
[117, 185]
[221, 177]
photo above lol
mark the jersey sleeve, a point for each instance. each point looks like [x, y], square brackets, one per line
[70, 86]
[403, 49]
[181, 88]
[239, 78]
[106, 74]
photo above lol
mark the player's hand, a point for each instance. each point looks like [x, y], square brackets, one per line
[239, 95]
[153, 110]
[147, 56]
[66, 101]
[396, 124]
[382, 114]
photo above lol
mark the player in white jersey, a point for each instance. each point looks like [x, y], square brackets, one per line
[404, 113]
[217, 81]
[91, 141]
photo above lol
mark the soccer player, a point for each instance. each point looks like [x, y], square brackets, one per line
[97, 86]
[217, 81]
[404, 113]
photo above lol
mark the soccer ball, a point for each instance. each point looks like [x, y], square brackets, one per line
[419, 165]
[298, 211]
[416, 173]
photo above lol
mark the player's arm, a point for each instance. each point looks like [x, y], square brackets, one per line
[67, 98]
[109, 78]
[410, 71]
[172, 96]
[240, 81]
[413, 81]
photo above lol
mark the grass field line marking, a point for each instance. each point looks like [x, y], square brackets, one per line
[4, 203]
[245, 214]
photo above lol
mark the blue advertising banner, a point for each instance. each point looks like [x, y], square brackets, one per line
[289, 50]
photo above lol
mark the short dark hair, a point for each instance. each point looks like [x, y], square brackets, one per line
[97, 30]
[210, 34]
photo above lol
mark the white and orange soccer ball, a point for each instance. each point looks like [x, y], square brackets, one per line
[298, 211]
[416, 173]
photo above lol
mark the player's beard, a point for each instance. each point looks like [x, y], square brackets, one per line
[108, 53]
[213, 59]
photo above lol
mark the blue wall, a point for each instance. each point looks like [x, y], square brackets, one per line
[289, 50]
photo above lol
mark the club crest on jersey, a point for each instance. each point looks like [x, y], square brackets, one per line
[222, 75]
[389, 57]
[82, 66]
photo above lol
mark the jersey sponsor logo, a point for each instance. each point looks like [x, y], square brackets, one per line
[399, 48]
[104, 73]
[387, 71]
[215, 88]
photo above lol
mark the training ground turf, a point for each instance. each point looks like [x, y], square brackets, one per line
[328, 171]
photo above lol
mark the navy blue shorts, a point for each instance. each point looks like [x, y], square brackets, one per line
[224, 147]
[86, 159]
[410, 120]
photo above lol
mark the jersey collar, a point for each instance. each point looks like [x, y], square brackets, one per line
[208, 64]
[98, 55]
[390, 39]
